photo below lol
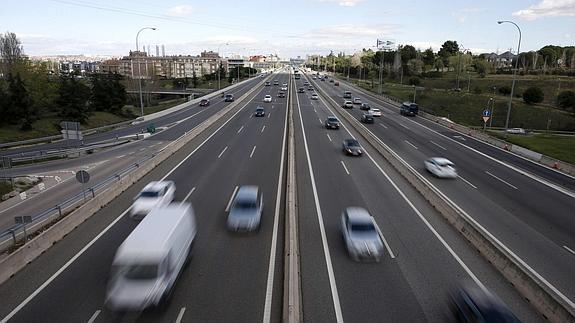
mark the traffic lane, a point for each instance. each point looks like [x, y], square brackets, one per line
[361, 299]
[317, 302]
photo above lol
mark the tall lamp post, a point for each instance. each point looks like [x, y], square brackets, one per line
[140, 71]
[219, 63]
[514, 71]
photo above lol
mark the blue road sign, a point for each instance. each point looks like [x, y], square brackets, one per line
[486, 113]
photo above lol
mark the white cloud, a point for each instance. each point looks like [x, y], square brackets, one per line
[548, 8]
[461, 15]
[350, 31]
[180, 11]
[344, 3]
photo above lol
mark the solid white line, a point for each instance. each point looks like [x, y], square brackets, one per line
[94, 316]
[384, 126]
[401, 124]
[231, 199]
[254, 149]
[331, 276]
[263, 129]
[180, 315]
[271, 267]
[460, 138]
[466, 181]
[77, 255]
[242, 127]
[342, 164]
[223, 151]
[385, 242]
[501, 180]
[438, 145]
[412, 145]
[269, 115]
[569, 249]
[187, 196]
[328, 137]
[321, 122]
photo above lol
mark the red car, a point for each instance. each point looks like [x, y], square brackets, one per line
[204, 102]
[336, 83]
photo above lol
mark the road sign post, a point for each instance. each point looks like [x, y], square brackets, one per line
[83, 177]
[486, 116]
[23, 220]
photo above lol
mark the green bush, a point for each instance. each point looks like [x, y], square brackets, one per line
[566, 100]
[414, 81]
[504, 90]
[533, 95]
[477, 90]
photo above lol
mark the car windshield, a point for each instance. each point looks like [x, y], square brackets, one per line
[149, 194]
[362, 228]
[140, 272]
[245, 204]
[352, 143]
[331, 119]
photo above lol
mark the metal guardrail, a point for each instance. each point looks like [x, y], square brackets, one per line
[61, 208]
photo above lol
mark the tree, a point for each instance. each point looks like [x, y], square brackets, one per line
[414, 81]
[449, 48]
[439, 65]
[566, 100]
[533, 95]
[194, 79]
[73, 99]
[428, 57]
[11, 52]
[407, 52]
[415, 66]
[504, 90]
[5, 104]
[21, 103]
[481, 66]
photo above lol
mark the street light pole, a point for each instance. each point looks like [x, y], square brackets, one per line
[514, 72]
[219, 63]
[140, 71]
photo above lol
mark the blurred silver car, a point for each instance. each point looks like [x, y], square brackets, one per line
[246, 210]
[440, 167]
[154, 194]
[361, 234]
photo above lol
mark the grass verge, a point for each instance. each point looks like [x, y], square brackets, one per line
[556, 146]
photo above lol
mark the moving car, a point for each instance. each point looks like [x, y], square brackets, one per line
[310, 88]
[284, 88]
[347, 95]
[409, 109]
[285, 84]
[204, 102]
[260, 112]
[440, 167]
[246, 210]
[361, 234]
[301, 90]
[351, 147]
[364, 106]
[314, 96]
[153, 195]
[347, 105]
[281, 94]
[375, 112]
[276, 82]
[268, 98]
[148, 263]
[336, 83]
[367, 118]
[471, 303]
[229, 98]
[268, 83]
[330, 80]
[332, 123]
[517, 131]
[356, 101]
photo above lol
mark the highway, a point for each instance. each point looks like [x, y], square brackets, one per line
[239, 277]
[524, 205]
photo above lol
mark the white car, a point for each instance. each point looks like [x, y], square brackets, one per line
[268, 98]
[361, 234]
[356, 101]
[314, 96]
[285, 84]
[440, 167]
[153, 195]
[347, 105]
[284, 88]
[375, 112]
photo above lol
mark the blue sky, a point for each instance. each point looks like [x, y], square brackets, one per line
[288, 28]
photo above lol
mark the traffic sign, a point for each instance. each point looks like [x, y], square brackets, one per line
[485, 119]
[486, 113]
[82, 176]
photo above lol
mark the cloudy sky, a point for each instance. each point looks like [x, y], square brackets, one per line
[288, 28]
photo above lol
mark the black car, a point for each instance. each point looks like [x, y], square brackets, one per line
[364, 106]
[204, 102]
[301, 90]
[330, 80]
[281, 95]
[229, 98]
[268, 83]
[473, 304]
[351, 147]
[260, 112]
[332, 123]
[367, 118]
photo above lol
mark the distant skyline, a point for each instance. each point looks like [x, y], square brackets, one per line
[287, 28]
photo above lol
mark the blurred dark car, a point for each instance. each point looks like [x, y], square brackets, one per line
[364, 106]
[332, 123]
[229, 98]
[367, 118]
[351, 147]
[301, 90]
[281, 95]
[471, 303]
[204, 102]
[260, 112]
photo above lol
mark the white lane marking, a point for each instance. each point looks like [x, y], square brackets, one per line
[180, 315]
[141, 149]
[466, 181]
[401, 124]
[331, 276]
[384, 126]
[118, 157]
[269, 115]
[271, 267]
[412, 145]
[86, 247]
[343, 164]
[458, 137]
[223, 151]
[254, 149]
[569, 249]
[328, 137]
[321, 122]
[231, 199]
[438, 145]
[314, 110]
[501, 180]
[94, 316]
[188, 195]
[263, 129]
[385, 242]
[242, 127]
